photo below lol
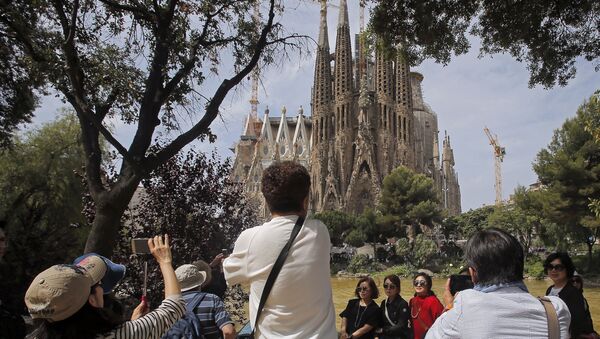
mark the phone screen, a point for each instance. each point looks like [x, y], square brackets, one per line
[140, 246]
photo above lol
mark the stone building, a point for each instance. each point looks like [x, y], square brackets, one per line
[367, 117]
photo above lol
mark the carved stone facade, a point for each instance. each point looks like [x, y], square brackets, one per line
[367, 118]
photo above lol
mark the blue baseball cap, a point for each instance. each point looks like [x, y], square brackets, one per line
[114, 272]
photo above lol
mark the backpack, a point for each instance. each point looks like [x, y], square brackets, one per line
[189, 326]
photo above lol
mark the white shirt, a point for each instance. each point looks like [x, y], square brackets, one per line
[300, 304]
[506, 313]
[554, 291]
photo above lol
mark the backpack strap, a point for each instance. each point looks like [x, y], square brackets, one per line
[275, 270]
[553, 327]
[191, 307]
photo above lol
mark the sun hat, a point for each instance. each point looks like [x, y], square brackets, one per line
[204, 266]
[189, 277]
[60, 291]
[114, 272]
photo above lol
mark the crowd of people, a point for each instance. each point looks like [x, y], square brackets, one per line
[285, 263]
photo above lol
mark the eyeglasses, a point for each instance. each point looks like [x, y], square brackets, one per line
[557, 267]
[419, 283]
[390, 286]
[362, 289]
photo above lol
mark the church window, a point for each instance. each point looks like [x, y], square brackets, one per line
[265, 149]
[282, 149]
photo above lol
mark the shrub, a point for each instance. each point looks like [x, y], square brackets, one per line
[360, 263]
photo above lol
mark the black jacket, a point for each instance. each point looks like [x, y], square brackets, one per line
[572, 296]
[399, 312]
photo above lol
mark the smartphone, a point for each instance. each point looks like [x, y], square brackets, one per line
[459, 282]
[140, 246]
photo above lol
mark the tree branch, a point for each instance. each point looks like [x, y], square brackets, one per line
[212, 109]
[137, 12]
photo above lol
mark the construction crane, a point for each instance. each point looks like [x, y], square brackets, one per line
[499, 153]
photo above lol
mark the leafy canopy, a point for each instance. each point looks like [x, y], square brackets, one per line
[547, 35]
[40, 203]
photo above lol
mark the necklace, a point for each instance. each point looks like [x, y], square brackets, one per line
[414, 316]
[359, 315]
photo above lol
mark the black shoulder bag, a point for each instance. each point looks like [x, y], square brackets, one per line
[273, 275]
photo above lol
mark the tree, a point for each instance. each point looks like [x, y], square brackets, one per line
[191, 198]
[548, 35]
[570, 167]
[593, 126]
[408, 199]
[338, 223]
[515, 221]
[145, 63]
[419, 252]
[41, 203]
[474, 220]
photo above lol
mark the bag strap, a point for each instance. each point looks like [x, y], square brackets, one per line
[553, 327]
[195, 302]
[276, 268]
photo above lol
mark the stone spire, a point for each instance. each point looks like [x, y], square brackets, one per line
[249, 128]
[322, 95]
[447, 152]
[343, 55]
[404, 126]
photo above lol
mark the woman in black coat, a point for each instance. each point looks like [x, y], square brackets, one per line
[395, 312]
[559, 267]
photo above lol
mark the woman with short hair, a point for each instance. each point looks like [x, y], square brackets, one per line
[362, 315]
[425, 307]
[560, 268]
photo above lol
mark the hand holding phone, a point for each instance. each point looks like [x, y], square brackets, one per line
[140, 246]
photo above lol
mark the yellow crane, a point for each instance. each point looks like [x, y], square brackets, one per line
[499, 153]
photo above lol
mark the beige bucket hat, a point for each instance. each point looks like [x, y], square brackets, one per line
[189, 277]
[60, 291]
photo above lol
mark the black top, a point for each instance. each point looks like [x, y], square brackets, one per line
[359, 316]
[572, 296]
[398, 312]
[217, 285]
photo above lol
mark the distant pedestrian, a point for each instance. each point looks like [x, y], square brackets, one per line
[560, 268]
[425, 307]
[499, 306]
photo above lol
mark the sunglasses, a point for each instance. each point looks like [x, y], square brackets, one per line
[362, 289]
[557, 267]
[419, 283]
[390, 286]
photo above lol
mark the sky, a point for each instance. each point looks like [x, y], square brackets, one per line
[467, 95]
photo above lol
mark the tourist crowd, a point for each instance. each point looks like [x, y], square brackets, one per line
[285, 263]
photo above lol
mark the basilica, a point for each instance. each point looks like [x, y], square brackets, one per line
[367, 117]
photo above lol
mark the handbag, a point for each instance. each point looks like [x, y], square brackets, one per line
[247, 332]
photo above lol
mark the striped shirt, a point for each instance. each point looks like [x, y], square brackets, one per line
[211, 313]
[153, 325]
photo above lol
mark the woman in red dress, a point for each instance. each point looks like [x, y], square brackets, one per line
[424, 306]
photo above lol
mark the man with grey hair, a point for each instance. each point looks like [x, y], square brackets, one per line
[499, 306]
[213, 319]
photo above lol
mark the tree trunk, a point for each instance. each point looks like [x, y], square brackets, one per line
[107, 220]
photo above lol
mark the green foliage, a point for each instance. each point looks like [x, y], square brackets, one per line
[515, 221]
[404, 270]
[338, 223]
[549, 36]
[361, 263]
[408, 198]
[471, 221]
[417, 253]
[534, 268]
[41, 204]
[569, 167]
[356, 238]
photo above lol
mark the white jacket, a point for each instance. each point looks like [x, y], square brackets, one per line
[300, 304]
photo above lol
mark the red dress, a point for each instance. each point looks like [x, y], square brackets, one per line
[423, 312]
